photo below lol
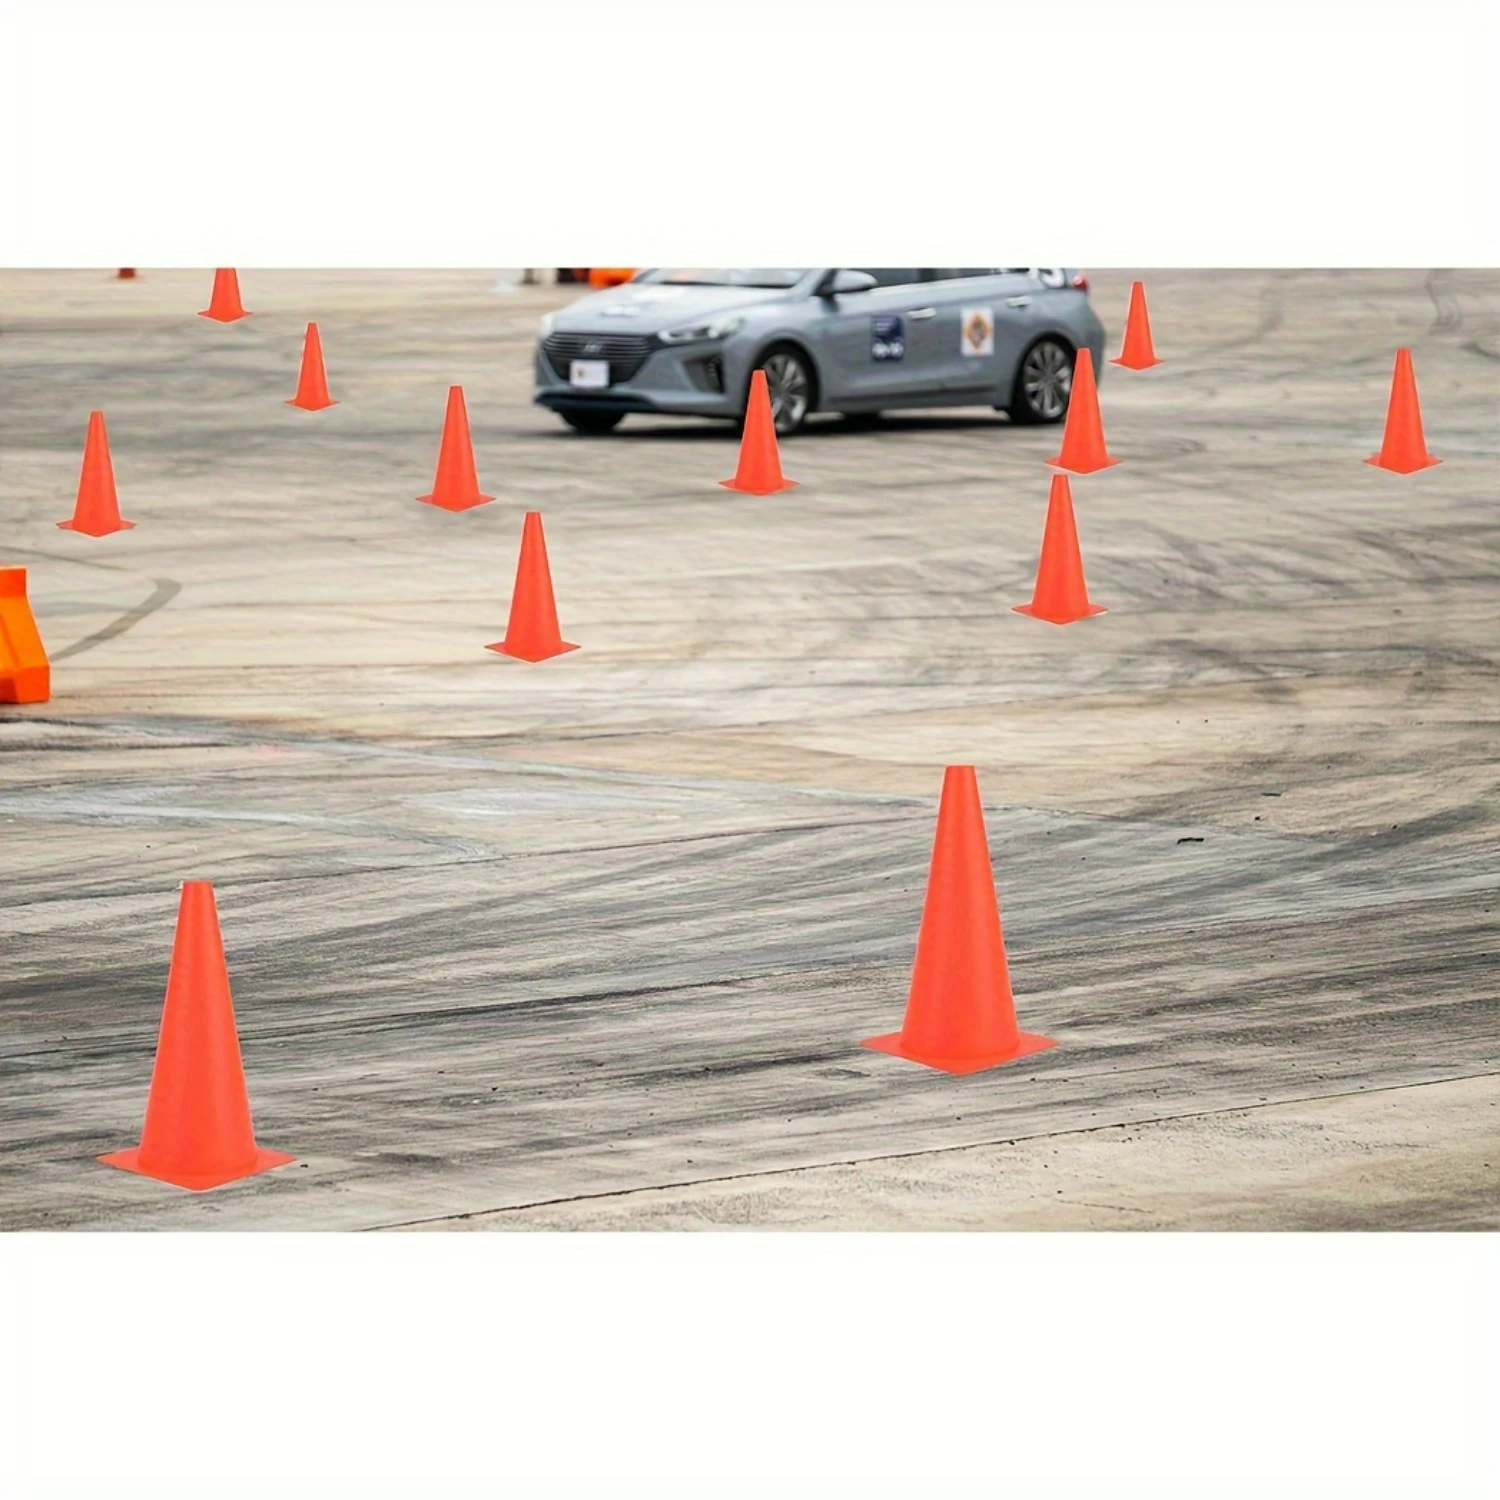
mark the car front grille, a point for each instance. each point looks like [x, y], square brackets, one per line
[626, 352]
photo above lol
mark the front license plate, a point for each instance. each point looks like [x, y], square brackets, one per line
[589, 373]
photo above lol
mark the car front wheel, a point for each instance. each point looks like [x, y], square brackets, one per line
[1043, 384]
[595, 423]
[790, 382]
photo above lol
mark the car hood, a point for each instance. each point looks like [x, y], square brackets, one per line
[650, 307]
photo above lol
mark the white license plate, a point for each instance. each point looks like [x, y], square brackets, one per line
[589, 373]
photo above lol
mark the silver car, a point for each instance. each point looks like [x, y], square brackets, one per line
[858, 342]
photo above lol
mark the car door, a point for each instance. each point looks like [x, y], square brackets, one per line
[984, 320]
[880, 346]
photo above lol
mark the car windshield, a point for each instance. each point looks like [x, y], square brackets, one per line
[769, 280]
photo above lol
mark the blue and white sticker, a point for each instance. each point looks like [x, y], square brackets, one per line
[887, 338]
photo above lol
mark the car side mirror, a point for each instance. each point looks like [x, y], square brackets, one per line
[843, 282]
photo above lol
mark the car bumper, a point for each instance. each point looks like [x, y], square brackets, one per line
[671, 381]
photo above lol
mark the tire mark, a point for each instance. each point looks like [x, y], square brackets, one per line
[167, 589]
[913, 1154]
[1448, 314]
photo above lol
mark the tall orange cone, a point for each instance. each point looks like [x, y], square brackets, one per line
[960, 1015]
[25, 676]
[1083, 449]
[1404, 450]
[1137, 353]
[759, 471]
[96, 512]
[532, 633]
[312, 384]
[1060, 595]
[225, 305]
[456, 486]
[198, 1132]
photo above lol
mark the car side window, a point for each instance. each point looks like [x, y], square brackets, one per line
[885, 276]
[966, 275]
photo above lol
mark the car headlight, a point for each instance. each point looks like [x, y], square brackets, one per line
[719, 328]
[546, 327]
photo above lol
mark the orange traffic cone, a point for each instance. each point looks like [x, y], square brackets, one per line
[759, 471]
[1137, 353]
[1404, 450]
[457, 484]
[1083, 435]
[532, 633]
[124, 275]
[96, 512]
[312, 384]
[25, 676]
[225, 305]
[198, 1132]
[1060, 595]
[960, 1016]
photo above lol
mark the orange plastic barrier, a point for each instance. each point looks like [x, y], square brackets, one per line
[25, 674]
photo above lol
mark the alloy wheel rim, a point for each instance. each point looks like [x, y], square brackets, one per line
[1046, 380]
[787, 383]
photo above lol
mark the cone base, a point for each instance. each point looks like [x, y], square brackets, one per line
[1036, 614]
[196, 1182]
[1104, 463]
[1135, 364]
[522, 654]
[29, 685]
[223, 317]
[84, 531]
[310, 405]
[893, 1044]
[1428, 462]
[745, 489]
[455, 505]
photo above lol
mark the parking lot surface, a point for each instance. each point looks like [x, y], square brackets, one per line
[592, 943]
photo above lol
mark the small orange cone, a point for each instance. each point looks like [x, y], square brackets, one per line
[1083, 449]
[1137, 353]
[124, 275]
[25, 676]
[96, 512]
[759, 471]
[197, 1133]
[225, 305]
[532, 633]
[960, 1015]
[456, 486]
[1060, 595]
[312, 384]
[1404, 450]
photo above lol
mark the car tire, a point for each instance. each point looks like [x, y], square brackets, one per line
[592, 423]
[794, 387]
[1044, 384]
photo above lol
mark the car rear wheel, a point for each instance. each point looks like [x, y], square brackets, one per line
[595, 423]
[790, 380]
[1043, 383]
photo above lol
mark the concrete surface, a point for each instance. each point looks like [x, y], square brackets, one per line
[593, 943]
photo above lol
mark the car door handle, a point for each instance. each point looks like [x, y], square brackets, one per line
[922, 312]
[1018, 301]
